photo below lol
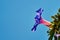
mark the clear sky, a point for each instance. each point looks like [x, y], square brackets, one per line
[17, 18]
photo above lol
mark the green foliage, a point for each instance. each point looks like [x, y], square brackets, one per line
[56, 25]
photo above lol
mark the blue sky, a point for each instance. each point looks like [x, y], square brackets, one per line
[17, 18]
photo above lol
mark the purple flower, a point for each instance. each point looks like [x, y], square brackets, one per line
[40, 20]
[37, 19]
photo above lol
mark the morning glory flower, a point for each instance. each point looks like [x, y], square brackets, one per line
[40, 20]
